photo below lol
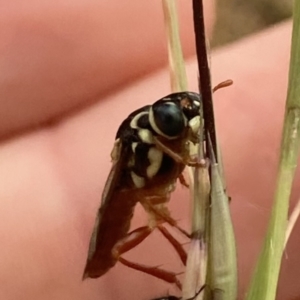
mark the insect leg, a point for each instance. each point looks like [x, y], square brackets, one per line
[176, 245]
[178, 158]
[167, 276]
[176, 298]
[183, 181]
[131, 240]
[165, 217]
[201, 289]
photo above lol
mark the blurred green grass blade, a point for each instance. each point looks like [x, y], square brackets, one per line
[222, 251]
[200, 189]
[197, 257]
[264, 281]
[176, 61]
[196, 268]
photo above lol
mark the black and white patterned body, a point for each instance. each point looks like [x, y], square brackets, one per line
[150, 153]
[173, 120]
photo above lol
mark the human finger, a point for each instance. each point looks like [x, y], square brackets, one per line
[59, 56]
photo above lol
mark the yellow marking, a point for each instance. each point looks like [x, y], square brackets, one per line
[152, 123]
[197, 103]
[155, 157]
[146, 136]
[133, 123]
[138, 181]
[194, 124]
[133, 146]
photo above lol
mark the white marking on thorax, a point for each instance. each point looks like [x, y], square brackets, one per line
[146, 136]
[133, 146]
[133, 123]
[194, 124]
[131, 161]
[197, 103]
[155, 157]
[138, 181]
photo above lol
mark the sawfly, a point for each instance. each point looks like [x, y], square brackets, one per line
[150, 152]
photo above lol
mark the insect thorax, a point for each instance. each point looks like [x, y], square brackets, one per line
[146, 165]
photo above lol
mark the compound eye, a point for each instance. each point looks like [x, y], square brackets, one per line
[168, 118]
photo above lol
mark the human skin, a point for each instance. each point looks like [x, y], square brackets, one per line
[52, 174]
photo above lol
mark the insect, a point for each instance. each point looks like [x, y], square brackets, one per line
[150, 152]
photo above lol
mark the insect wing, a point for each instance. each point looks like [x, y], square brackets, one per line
[118, 158]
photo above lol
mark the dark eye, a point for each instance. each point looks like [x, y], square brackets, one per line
[168, 118]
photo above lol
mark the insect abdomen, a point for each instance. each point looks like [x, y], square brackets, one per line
[112, 227]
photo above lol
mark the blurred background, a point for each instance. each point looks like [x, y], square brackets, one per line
[237, 18]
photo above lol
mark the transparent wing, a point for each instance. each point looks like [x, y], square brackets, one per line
[113, 217]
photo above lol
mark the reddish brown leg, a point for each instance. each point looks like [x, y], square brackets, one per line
[198, 293]
[132, 239]
[223, 84]
[136, 237]
[176, 245]
[168, 219]
[182, 180]
[154, 271]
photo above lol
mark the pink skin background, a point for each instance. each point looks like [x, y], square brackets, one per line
[56, 58]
